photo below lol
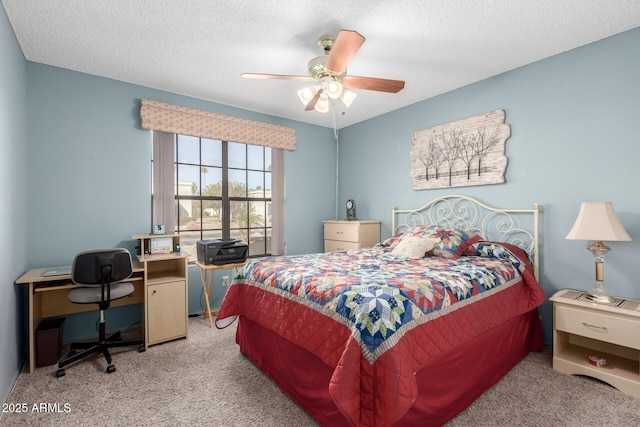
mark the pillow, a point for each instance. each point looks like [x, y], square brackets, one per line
[504, 251]
[392, 242]
[416, 231]
[414, 247]
[452, 242]
[474, 249]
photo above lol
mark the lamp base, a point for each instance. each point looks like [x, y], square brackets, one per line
[600, 295]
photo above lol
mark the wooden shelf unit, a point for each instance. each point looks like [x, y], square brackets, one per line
[166, 291]
[582, 328]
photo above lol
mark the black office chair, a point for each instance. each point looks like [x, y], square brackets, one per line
[99, 272]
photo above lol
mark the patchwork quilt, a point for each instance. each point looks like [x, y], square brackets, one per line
[377, 318]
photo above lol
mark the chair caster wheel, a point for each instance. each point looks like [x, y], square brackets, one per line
[111, 369]
[142, 348]
[60, 373]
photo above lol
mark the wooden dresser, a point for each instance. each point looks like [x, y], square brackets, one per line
[346, 235]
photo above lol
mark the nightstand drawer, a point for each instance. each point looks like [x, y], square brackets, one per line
[338, 245]
[609, 328]
[344, 232]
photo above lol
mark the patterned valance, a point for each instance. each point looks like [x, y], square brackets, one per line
[155, 115]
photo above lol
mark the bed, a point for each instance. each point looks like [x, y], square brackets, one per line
[409, 332]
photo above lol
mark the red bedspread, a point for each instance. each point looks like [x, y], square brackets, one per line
[377, 319]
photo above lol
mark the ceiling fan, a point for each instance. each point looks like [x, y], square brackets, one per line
[329, 74]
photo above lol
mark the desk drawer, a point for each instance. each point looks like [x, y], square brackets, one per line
[606, 327]
[57, 304]
[342, 232]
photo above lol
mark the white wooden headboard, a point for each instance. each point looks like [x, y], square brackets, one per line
[519, 227]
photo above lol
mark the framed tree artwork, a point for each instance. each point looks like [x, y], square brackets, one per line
[462, 153]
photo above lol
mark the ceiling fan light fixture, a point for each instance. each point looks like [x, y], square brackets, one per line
[322, 106]
[328, 71]
[347, 97]
[334, 89]
[306, 94]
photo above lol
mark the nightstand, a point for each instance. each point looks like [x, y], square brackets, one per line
[582, 328]
[347, 235]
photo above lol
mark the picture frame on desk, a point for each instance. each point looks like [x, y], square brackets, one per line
[160, 245]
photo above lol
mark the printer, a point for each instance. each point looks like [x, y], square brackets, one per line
[220, 251]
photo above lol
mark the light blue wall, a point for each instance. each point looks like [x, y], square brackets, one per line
[574, 137]
[13, 208]
[90, 167]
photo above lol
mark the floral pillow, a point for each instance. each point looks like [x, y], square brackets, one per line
[494, 250]
[475, 249]
[451, 243]
[414, 247]
[392, 242]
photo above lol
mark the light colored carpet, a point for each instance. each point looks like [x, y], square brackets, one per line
[205, 379]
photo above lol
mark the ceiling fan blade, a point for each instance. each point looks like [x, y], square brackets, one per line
[344, 49]
[312, 104]
[372, 83]
[276, 76]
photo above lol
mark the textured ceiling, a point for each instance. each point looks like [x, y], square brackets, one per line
[199, 48]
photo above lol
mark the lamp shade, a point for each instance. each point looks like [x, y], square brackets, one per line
[598, 221]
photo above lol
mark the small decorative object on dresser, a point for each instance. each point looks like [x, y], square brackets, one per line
[597, 340]
[347, 235]
[351, 210]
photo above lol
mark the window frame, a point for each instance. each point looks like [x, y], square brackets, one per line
[226, 201]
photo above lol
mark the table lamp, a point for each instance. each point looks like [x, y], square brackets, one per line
[598, 221]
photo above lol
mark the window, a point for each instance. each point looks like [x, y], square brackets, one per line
[262, 201]
[222, 190]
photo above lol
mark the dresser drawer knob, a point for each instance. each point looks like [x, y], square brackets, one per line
[601, 328]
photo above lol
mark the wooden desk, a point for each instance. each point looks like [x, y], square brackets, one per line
[206, 284]
[160, 285]
[48, 298]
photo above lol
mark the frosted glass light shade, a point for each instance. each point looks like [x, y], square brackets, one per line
[322, 106]
[306, 94]
[347, 97]
[334, 89]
